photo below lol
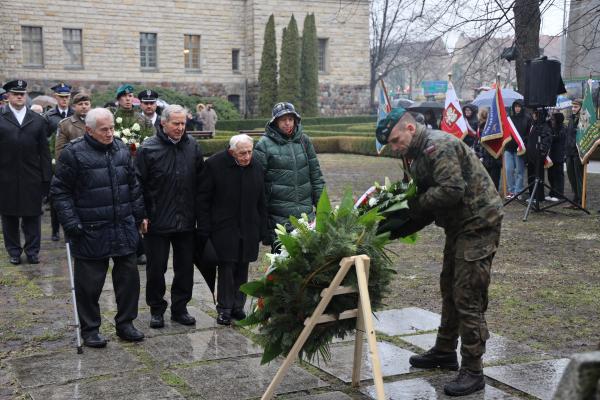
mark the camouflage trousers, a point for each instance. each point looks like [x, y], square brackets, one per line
[464, 283]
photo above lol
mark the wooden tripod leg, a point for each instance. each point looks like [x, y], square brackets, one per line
[346, 263]
[358, 346]
[365, 304]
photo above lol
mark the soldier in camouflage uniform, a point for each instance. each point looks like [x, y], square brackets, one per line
[456, 192]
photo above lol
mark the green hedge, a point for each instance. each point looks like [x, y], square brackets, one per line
[247, 124]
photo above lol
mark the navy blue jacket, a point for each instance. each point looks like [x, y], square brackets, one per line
[95, 186]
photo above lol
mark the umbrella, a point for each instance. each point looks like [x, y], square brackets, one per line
[563, 102]
[44, 101]
[424, 106]
[405, 103]
[508, 95]
[206, 262]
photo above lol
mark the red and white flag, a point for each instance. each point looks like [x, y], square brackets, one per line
[499, 129]
[453, 120]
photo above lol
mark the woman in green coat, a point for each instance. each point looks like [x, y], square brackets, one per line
[293, 178]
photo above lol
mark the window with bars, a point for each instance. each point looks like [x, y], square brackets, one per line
[148, 50]
[191, 52]
[235, 60]
[33, 46]
[323, 43]
[72, 42]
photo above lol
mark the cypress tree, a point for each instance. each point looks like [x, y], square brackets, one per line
[289, 66]
[267, 75]
[309, 76]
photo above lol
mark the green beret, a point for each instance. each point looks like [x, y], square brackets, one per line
[124, 89]
[385, 126]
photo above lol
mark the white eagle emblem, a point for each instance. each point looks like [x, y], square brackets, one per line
[451, 115]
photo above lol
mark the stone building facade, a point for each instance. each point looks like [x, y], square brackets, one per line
[210, 48]
[583, 41]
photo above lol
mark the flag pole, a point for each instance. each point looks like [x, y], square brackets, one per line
[503, 164]
[584, 185]
[405, 167]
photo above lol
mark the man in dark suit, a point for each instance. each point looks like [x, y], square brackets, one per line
[25, 172]
[148, 100]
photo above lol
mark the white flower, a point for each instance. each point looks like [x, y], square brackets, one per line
[372, 202]
[118, 133]
[119, 120]
[53, 161]
[125, 140]
[135, 127]
[126, 132]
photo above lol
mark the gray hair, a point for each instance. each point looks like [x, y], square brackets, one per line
[237, 139]
[172, 109]
[93, 115]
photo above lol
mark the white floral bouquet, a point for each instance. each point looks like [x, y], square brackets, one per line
[131, 132]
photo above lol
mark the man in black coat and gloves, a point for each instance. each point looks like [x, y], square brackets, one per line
[232, 214]
[100, 206]
[25, 173]
[168, 165]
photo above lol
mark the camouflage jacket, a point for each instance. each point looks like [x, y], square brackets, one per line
[453, 186]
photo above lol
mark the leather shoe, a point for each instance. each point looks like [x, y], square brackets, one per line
[466, 382]
[55, 237]
[33, 260]
[183, 319]
[157, 321]
[238, 314]
[223, 319]
[94, 340]
[434, 358]
[130, 333]
[16, 260]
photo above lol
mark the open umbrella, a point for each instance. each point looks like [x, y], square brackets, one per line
[424, 106]
[508, 95]
[206, 262]
[405, 103]
[44, 101]
[563, 102]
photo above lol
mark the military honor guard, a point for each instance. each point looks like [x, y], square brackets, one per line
[148, 105]
[25, 173]
[62, 94]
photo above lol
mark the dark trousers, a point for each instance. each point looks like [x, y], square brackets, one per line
[157, 253]
[495, 173]
[575, 174]
[231, 276]
[89, 280]
[531, 173]
[54, 220]
[32, 230]
[556, 178]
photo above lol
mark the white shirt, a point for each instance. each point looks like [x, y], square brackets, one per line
[19, 114]
[154, 117]
[60, 110]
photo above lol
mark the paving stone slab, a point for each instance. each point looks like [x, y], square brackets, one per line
[394, 361]
[498, 348]
[138, 387]
[538, 379]
[244, 378]
[431, 388]
[199, 346]
[322, 396]
[108, 302]
[406, 321]
[57, 368]
[142, 322]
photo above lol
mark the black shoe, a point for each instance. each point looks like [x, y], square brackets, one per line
[238, 315]
[223, 319]
[141, 260]
[33, 260]
[130, 333]
[434, 358]
[16, 260]
[94, 340]
[55, 237]
[183, 319]
[466, 382]
[157, 321]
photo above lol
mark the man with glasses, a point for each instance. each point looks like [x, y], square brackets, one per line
[25, 173]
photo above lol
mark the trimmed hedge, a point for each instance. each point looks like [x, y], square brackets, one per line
[246, 124]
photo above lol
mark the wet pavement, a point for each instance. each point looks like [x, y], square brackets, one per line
[38, 358]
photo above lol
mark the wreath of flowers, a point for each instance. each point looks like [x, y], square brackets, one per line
[129, 130]
[291, 287]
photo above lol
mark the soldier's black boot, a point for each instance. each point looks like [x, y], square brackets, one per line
[466, 382]
[434, 358]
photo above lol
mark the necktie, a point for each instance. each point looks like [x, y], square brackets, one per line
[63, 114]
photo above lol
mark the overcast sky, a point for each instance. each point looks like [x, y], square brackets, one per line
[552, 18]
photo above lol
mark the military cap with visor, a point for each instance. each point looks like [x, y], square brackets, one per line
[61, 89]
[147, 96]
[16, 86]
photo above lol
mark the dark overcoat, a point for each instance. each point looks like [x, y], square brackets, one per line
[231, 207]
[53, 116]
[25, 166]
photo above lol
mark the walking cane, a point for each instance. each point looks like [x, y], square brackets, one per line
[77, 326]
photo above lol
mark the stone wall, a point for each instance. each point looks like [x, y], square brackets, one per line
[111, 49]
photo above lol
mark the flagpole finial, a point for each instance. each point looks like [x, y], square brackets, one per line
[449, 76]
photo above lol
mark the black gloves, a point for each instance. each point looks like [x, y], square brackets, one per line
[74, 231]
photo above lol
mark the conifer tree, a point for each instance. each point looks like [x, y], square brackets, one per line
[267, 75]
[289, 66]
[309, 76]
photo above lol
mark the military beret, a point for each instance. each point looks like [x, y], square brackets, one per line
[16, 86]
[385, 126]
[577, 101]
[79, 97]
[61, 89]
[124, 89]
[148, 96]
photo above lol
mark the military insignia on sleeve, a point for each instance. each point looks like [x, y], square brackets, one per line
[429, 150]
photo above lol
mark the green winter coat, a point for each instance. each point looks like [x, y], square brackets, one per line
[293, 178]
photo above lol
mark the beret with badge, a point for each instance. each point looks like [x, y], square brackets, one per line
[385, 126]
[124, 89]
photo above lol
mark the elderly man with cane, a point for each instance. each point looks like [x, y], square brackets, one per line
[99, 204]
